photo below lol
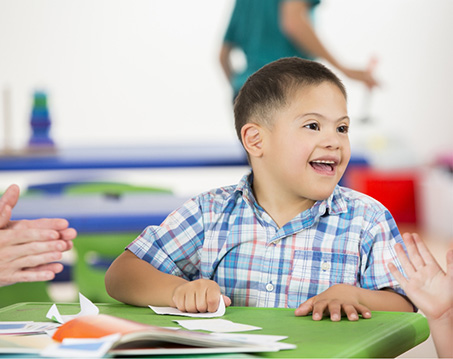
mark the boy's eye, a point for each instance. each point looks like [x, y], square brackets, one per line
[312, 126]
[343, 129]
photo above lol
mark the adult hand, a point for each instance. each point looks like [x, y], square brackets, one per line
[427, 285]
[28, 248]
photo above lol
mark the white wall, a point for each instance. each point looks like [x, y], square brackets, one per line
[124, 72]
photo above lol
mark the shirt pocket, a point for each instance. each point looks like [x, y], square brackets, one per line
[315, 271]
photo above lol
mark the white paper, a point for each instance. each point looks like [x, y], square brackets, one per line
[215, 325]
[257, 339]
[173, 311]
[86, 308]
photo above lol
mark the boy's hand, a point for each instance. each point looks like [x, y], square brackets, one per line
[336, 300]
[198, 296]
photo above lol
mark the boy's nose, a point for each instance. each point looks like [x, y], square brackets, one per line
[331, 140]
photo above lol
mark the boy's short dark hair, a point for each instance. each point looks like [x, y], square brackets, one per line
[268, 89]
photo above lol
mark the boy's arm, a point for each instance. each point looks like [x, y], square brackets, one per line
[134, 281]
[352, 301]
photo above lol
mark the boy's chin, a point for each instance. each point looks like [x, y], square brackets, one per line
[321, 196]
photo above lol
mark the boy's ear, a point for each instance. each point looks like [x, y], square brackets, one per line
[252, 139]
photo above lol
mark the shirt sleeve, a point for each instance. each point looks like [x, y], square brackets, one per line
[378, 251]
[174, 247]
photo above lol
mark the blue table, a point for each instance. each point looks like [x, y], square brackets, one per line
[100, 213]
[153, 156]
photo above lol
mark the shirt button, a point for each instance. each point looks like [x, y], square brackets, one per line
[269, 287]
[325, 266]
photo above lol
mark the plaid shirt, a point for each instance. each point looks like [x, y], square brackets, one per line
[224, 235]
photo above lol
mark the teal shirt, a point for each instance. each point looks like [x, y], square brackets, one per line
[254, 28]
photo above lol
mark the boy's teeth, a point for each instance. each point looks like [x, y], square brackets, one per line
[328, 162]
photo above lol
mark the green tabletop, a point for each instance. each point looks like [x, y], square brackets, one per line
[386, 334]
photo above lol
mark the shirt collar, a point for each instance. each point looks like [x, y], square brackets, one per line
[334, 204]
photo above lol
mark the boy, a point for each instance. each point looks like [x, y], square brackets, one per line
[286, 235]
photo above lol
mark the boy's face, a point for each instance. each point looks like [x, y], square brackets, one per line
[307, 149]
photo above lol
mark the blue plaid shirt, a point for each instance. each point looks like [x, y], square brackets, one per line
[224, 235]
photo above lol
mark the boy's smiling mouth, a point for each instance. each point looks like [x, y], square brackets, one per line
[324, 166]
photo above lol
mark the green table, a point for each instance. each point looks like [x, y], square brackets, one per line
[386, 334]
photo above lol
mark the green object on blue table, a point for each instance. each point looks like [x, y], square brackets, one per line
[386, 334]
[20, 292]
[95, 253]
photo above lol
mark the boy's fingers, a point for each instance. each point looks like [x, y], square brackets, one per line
[351, 312]
[318, 309]
[190, 305]
[212, 300]
[335, 311]
[363, 310]
[305, 308]
[227, 301]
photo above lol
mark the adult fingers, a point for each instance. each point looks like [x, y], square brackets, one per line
[32, 276]
[57, 224]
[450, 263]
[35, 260]
[53, 267]
[423, 250]
[398, 275]
[32, 250]
[412, 249]
[5, 214]
[68, 234]
[11, 195]
[10, 237]
[404, 260]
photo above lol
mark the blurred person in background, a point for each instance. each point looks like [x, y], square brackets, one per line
[266, 30]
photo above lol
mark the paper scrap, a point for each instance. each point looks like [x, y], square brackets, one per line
[86, 308]
[26, 327]
[75, 347]
[215, 325]
[173, 311]
[257, 339]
